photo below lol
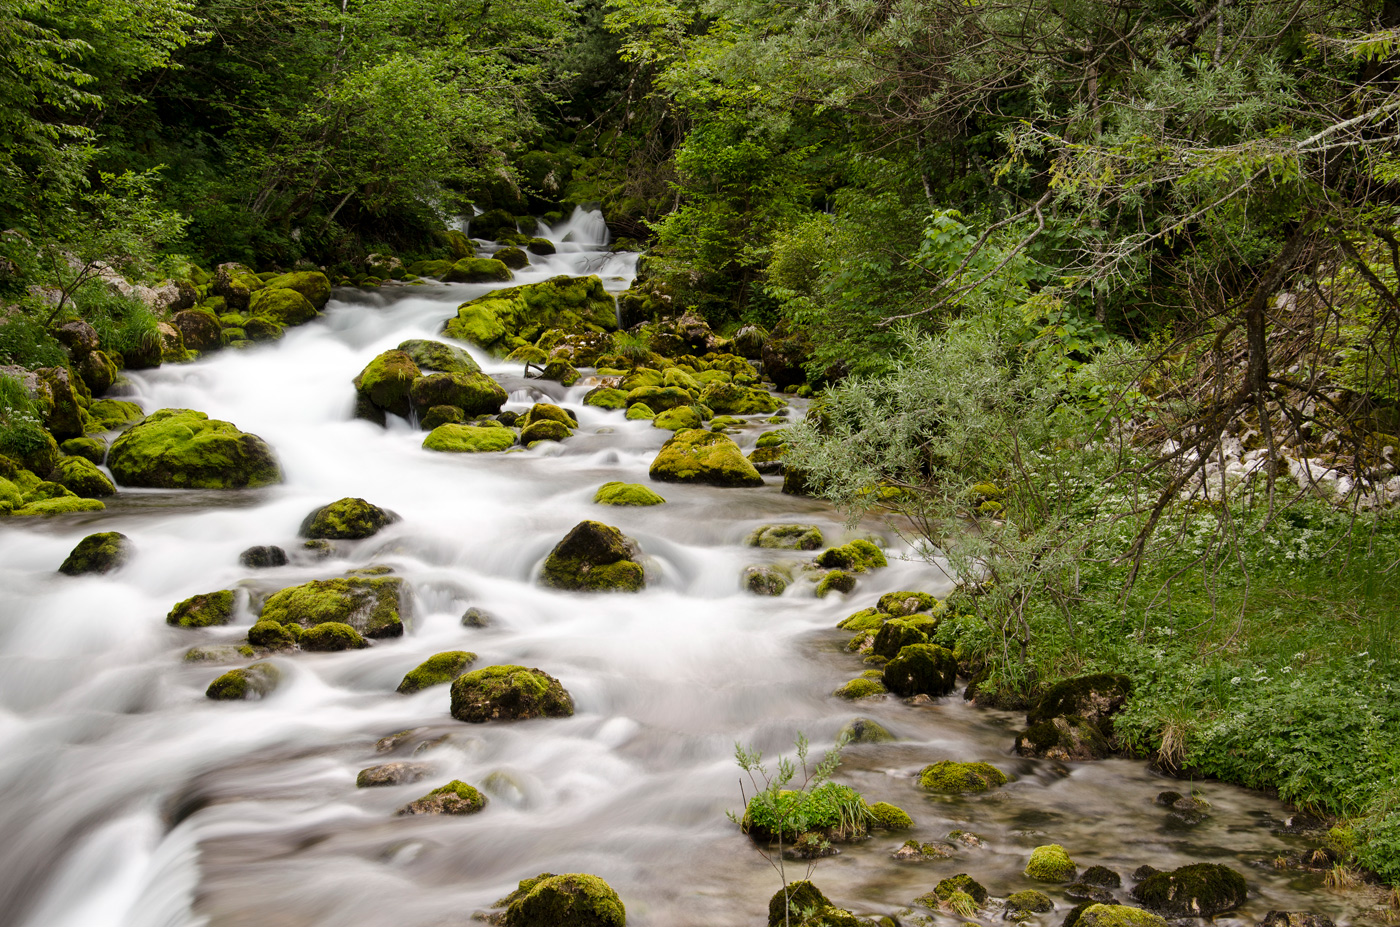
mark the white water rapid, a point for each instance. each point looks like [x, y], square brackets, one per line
[131, 800]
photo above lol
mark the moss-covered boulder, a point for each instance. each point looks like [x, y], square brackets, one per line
[202, 611]
[200, 328]
[98, 553]
[384, 386]
[284, 306]
[437, 670]
[798, 904]
[734, 399]
[678, 419]
[185, 449]
[1117, 915]
[766, 578]
[570, 900]
[331, 636]
[527, 312]
[864, 731]
[605, 397]
[619, 493]
[1063, 738]
[1198, 890]
[260, 328]
[860, 687]
[922, 669]
[660, 398]
[248, 683]
[594, 557]
[93, 450]
[509, 693]
[97, 370]
[473, 393]
[274, 636]
[856, 557]
[641, 412]
[112, 414]
[1096, 698]
[478, 270]
[441, 415]
[890, 817]
[956, 778]
[901, 604]
[346, 519]
[263, 556]
[1050, 863]
[391, 774]
[894, 635]
[454, 798]
[82, 478]
[236, 283]
[835, 581]
[439, 357]
[312, 285]
[468, 439]
[370, 605]
[1022, 906]
[697, 456]
[544, 430]
[61, 403]
[513, 258]
[786, 537]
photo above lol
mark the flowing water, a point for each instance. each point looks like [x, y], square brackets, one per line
[130, 799]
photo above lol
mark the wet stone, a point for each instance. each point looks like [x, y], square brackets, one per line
[391, 774]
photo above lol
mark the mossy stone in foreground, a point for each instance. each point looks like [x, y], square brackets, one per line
[274, 636]
[949, 776]
[677, 419]
[704, 457]
[857, 557]
[1117, 915]
[437, 670]
[93, 450]
[454, 798]
[619, 493]
[544, 431]
[281, 305]
[468, 439]
[640, 412]
[786, 537]
[384, 386]
[922, 669]
[1051, 863]
[1022, 905]
[250, 682]
[98, 553]
[313, 285]
[962, 882]
[202, 611]
[473, 393]
[346, 519]
[860, 687]
[185, 449]
[594, 557]
[509, 693]
[787, 906]
[81, 477]
[369, 605]
[1198, 890]
[606, 397]
[110, 414]
[331, 636]
[439, 357]
[835, 581]
[890, 817]
[478, 270]
[570, 900]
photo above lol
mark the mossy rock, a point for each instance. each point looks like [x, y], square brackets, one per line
[437, 670]
[217, 653]
[98, 553]
[894, 635]
[570, 900]
[544, 430]
[1021, 906]
[541, 246]
[640, 377]
[263, 556]
[314, 286]
[259, 328]
[331, 636]
[901, 604]
[661, 398]
[1115, 915]
[441, 415]
[1096, 698]
[561, 372]
[619, 493]
[767, 459]
[786, 537]
[1197, 890]
[765, 579]
[921, 669]
[346, 519]
[962, 882]
[47, 506]
[835, 581]
[454, 798]
[439, 357]
[200, 328]
[509, 693]
[203, 611]
[733, 399]
[284, 306]
[864, 731]
[703, 457]
[797, 900]
[274, 636]
[641, 412]
[860, 687]
[82, 478]
[97, 370]
[776, 438]
[369, 605]
[867, 619]
[513, 258]
[858, 556]
[478, 270]
[248, 683]
[594, 557]
[385, 386]
[605, 397]
[1050, 863]
[185, 449]
[890, 817]
[433, 268]
[957, 778]
[112, 414]
[1063, 738]
[468, 439]
[677, 419]
[473, 393]
[526, 312]
[93, 450]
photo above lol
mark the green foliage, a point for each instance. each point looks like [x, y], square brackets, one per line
[123, 324]
[21, 428]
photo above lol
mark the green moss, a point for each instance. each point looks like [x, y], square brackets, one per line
[346, 519]
[385, 384]
[184, 449]
[111, 414]
[864, 731]
[62, 505]
[703, 457]
[439, 357]
[766, 579]
[605, 397]
[1070, 738]
[571, 900]
[660, 398]
[921, 669]
[860, 687]
[259, 328]
[890, 817]
[314, 286]
[93, 450]
[896, 634]
[618, 493]
[509, 693]
[951, 777]
[513, 258]
[1198, 890]
[331, 636]
[217, 653]
[526, 312]
[857, 557]
[900, 604]
[733, 399]
[641, 377]
[1051, 863]
[867, 619]
[677, 419]
[441, 415]
[273, 636]
[561, 372]
[473, 393]
[544, 430]
[454, 798]
[437, 670]
[98, 553]
[468, 439]
[251, 682]
[369, 605]
[786, 908]
[641, 412]
[202, 611]
[284, 306]
[478, 270]
[1022, 905]
[430, 268]
[835, 581]
[786, 537]
[1117, 915]
[476, 324]
[1095, 697]
[962, 882]
[593, 557]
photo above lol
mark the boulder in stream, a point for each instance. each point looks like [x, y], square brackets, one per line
[1096, 698]
[249, 682]
[384, 386]
[98, 553]
[802, 904]
[437, 670]
[454, 798]
[314, 286]
[1295, 919]
[263, 557]
[857, 557]
[1065, 738]
[473, 393]
[786, 537]
[1116, 915]
[1197, 890]
[398, 773]
[503, 319]
[766, 578]
[82, 478]
[439, 357]
[509, 693]
[282, 305]
[952, 777]
[1024, 905]
[890, 817]
[570, 900]
[921, 669]
[478, 270]
[1050, 863]
[185, 449]
[594, 557]
[619, 493]
[370, 605]
[704, 457]
[203, 611]
[452, 438]
[330, 637]
[346, 519]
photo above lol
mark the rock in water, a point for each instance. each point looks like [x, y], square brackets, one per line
[185, 449]
[454, 798]
[594, 557]
[570, 900]
[437, 670]
[370, 606]
[346, 519]
[384, 386]
[252, 682]
[98, 553]
[1198, 890]
[697, 456]
[509, 693]
[202, 611]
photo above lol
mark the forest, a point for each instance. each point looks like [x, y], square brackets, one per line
[1094, 303]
